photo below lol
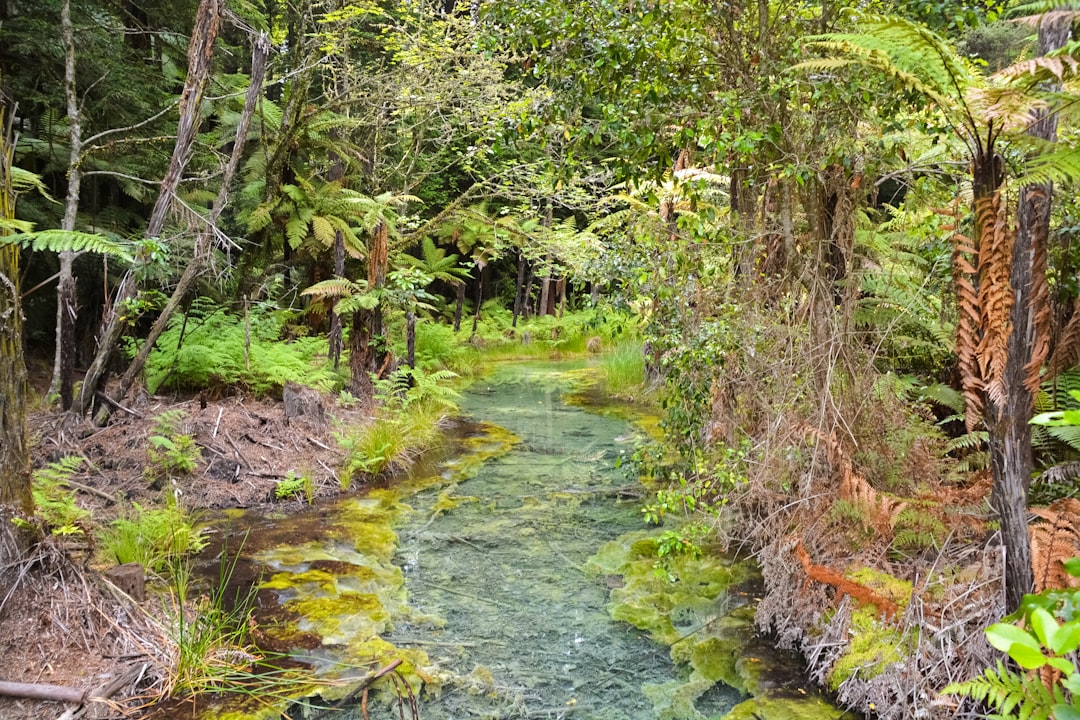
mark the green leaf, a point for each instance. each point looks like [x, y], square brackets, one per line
[1066, 639]
[1026, 657]
[1004, 636]
[1045, 626]
[1065, 712]
[1061, 664]
[1072, 566]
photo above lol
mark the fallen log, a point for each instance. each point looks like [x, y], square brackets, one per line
[40, 691]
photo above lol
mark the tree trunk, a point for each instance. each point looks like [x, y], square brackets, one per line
[1028, 345]
[200, 54]
[410, 338]
[479, 299]
[459, 290]
[64, 360]
[519, 289]
[14, 450]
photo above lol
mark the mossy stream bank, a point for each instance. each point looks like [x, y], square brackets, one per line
[514, 579]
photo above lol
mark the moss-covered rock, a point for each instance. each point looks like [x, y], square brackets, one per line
[788, 706]
[874, 646]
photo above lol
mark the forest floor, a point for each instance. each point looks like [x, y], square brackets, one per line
[61, 623]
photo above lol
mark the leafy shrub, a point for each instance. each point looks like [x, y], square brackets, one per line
[1046, 683]
[294, 484]
[171, 452]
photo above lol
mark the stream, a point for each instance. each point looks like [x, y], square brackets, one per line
[477, 567]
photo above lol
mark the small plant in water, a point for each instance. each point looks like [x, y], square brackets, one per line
[294, 484]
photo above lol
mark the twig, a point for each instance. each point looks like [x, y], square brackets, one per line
[471, 597]
[91, 490]
[313, 441]
[117, 406]
[220, 412]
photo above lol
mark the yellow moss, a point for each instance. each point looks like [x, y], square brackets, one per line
[288, 581]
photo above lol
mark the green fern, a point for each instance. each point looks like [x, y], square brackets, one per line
[1006, 691]
[54, 502]
[67, 241]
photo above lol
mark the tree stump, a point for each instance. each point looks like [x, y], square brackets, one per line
[129, 577]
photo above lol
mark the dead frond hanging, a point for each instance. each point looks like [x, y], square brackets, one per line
[995, 297]
[1055, 537]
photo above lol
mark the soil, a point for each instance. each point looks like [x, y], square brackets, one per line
[61, 622]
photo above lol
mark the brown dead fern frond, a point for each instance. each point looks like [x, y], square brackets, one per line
[1067, 348]
[1055, 537]
[965, 278]
[852, 486]
[995, 295]
[1039, 305]
[842, 586]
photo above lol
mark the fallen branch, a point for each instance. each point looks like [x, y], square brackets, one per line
[40, 691]
[115, 405]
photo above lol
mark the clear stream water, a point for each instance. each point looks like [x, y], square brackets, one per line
[520, 628]
[505, 569]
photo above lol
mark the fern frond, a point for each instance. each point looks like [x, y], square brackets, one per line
[1061, 165]
[335, 287]
[67, 241]
[943, 395]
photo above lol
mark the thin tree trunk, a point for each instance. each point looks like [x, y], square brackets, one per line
[479, 299]
[459, 290]
[14, 449]
[64, 359]
[204, 244]
[410, 338]
[519, 288]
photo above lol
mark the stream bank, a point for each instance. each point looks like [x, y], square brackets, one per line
[514, 580]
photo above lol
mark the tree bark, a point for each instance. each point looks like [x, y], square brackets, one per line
[410, 338]
[459, 290]
[1028, 345]
[200, 53]
[64, 360]
[519, 288]
[14, 450]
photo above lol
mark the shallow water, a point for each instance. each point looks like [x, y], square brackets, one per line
[525, 624]
[497, 592]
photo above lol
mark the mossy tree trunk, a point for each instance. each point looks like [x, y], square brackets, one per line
[14, 451]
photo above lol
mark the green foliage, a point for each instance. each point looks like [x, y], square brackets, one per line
[407, 387]
[54, 502]
[915, 530]
[153, 537]
[171, 452]
[205, 348]
[623, 368]
[210, 632]
[389, 442]
[293, 485]
[58, 241]
[1048, 639]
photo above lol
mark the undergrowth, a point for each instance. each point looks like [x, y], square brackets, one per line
[152, 537]
[210, 347]
[412, 405]
[623, 368]
[54, 502]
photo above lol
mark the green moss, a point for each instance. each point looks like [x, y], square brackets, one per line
[885, 585]
[873, 647]
[787, 707]
[674, 700]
